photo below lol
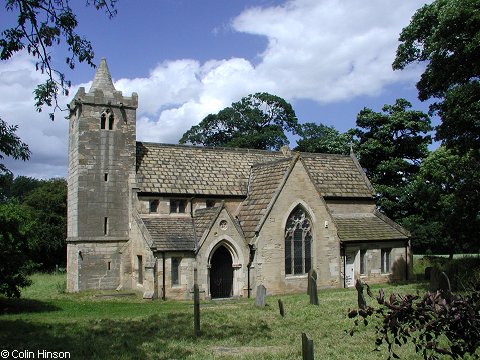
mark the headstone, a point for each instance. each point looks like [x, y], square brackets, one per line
[362, 304]
[428, 272]
[196, 309]
[312, 286]
[312, 274]
[434, 279]
[260, 297]
[307, 347]
[444, 285]
[281, 308]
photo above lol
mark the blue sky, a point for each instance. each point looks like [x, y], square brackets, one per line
[189, 58]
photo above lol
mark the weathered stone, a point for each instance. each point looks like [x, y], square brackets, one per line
[260, 296]
[312, 285]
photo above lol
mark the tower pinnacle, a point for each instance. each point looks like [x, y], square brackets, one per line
[102, 79]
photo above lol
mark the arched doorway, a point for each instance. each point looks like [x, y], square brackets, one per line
[221, 274]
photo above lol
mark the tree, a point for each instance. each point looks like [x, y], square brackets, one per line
[47, 205]
[15, 265]
[11, 145]
[445, 36]
[391, 146]
[257, 121]
[319, 138]
[446, 199]
[42, 24]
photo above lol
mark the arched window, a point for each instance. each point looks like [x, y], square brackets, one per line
[298, 243]
[107, 115]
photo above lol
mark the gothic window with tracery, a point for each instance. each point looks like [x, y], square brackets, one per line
[298, 243]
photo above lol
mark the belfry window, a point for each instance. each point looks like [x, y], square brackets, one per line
[107, 118]
[298, 243]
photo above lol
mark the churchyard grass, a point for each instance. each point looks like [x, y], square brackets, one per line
[97, 325]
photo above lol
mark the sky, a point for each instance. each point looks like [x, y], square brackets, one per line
[189, 58]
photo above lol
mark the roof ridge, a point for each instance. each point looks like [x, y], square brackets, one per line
[211, 148]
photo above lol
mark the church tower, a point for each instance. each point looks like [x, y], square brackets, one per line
[101, 173]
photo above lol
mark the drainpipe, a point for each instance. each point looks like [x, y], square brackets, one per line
[250, 260]
[406, 260]
[344, 247]
[163, 277]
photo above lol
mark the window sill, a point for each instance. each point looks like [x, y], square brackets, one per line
[293, 277]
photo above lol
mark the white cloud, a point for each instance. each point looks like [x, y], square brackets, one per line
[321, 50]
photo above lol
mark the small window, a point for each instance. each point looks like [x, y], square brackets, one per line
[386, 254]
[178, 206]
[107, 115]
[109, 265]
[363, 262]
[210, 203]
[140, 269]
[175, 271]
[105, 226]
[105, 177]
[154, 206]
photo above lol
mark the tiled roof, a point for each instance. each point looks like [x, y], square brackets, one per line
[193, 170]
[367, 226]
[337, 175]
[265, 180]
[203, 219]
[171, 233]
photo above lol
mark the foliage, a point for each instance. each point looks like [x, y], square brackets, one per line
[47, 204]
[42, 204]
[446, 199]
[319, 138]
[11, 145]
[437, 323]
[445, 35]
[391, 146]
[41, 25]
[257, 121]
[15, 265]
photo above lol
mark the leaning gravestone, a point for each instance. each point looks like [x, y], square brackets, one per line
[362, 304]
[281, 308]
[260, 297]
[312, 287]
[428, 273]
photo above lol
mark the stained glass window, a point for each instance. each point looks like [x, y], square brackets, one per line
[298, 243]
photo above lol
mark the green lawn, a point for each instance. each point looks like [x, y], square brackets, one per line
[93, 325]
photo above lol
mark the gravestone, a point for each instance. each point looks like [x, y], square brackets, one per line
[307, 347]
[444, 286]
[260, 297]
[428, 272]
[311, 274]
[281, 308]
[312, 287]
[362, 304]
[196, 310]
[434, 279]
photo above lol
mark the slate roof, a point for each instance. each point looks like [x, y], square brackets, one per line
[265, 180]
[367, 226]
[193, 170]
[171, 233]
[203, 219]
[337, 175]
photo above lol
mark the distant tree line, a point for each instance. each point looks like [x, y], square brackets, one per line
[33, 229]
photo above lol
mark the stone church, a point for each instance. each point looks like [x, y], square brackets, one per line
[156, 218]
